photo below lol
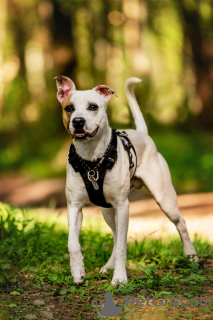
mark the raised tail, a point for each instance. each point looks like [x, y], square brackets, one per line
[136, 112]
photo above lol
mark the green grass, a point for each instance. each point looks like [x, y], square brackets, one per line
[34, 254]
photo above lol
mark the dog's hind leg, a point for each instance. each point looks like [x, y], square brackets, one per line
[156, 176]
[109, 216]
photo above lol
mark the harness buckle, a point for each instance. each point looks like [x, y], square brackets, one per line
[123, 134]
[93, 177]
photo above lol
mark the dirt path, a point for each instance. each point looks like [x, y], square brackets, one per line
[145, 216]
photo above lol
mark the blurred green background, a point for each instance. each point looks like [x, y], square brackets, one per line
[169, 44]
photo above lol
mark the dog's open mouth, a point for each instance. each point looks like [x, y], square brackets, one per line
[80, 134]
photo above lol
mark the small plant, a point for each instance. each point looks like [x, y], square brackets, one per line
[195, 279]
[153, 280]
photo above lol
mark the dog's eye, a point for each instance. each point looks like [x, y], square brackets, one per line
[69, 108]
[93, 107]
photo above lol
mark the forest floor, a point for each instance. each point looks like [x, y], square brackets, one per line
[35, 281]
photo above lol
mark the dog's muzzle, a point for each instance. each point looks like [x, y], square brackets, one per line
[80, 132]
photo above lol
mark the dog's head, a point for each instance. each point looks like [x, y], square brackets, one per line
[84, 112]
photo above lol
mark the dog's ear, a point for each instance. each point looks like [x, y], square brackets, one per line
[105, 91]
[65, 86]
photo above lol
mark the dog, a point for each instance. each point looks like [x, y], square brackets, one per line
[84, 115]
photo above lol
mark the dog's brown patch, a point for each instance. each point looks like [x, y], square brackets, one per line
[66, 115]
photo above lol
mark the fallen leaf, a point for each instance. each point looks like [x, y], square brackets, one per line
[15, 293]
[12, 305]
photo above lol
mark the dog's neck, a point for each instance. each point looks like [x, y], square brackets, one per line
[94, 149]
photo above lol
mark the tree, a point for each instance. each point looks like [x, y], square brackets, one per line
[197, 19]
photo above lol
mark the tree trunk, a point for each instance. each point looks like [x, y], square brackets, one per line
[202, 58]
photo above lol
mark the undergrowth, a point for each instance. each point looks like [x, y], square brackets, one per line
[36, 254]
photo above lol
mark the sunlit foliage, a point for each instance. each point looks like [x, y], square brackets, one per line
[166, 43]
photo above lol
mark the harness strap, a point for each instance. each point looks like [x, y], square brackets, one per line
[96, 196]
[82, 166]
[128, 146]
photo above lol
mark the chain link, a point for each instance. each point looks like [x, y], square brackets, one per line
[85, 165]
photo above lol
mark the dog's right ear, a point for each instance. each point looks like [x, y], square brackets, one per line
[65, 86]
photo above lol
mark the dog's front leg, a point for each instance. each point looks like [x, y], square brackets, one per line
[122, 221]
[76, 258]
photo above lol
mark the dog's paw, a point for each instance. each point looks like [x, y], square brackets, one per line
[193, 257]
[119, 277]
[104, 270]
[78, 274]
[78, 277]
[116, 280]
[78, 280]
[192, 254]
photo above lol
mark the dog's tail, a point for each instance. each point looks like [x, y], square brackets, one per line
[136, 112]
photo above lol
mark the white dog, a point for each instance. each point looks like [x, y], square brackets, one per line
[108, 164]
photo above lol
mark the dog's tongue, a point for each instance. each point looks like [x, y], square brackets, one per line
[80, 133]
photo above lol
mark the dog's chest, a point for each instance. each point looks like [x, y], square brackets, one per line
[108, 178]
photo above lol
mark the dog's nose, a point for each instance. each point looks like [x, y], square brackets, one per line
[78, 122]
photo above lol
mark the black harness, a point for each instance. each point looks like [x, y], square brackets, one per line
[93, 172]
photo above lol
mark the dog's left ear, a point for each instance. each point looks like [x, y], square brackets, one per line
[105, 91]
[65, 86]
